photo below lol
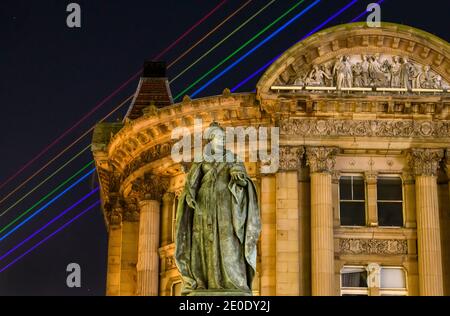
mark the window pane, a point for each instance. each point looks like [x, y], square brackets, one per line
[345, 188]
[355, 294]
[354, 277]
[392, 278]
[358, 188]
[390, 214]
[389, 189]
[353, 213]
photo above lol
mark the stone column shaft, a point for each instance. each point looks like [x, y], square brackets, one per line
[372, 209]
[148, 259]
[424, 163]
[321, 161]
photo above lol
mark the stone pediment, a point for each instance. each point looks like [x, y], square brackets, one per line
[355, 57]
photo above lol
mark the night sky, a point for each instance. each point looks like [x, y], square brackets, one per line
[51, 75]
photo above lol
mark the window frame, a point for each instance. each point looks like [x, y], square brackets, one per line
[399, 176]
[352, 175]
[353, 290]
[395, 291]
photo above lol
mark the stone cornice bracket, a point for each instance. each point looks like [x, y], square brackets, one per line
[424, 162]
[149, 187]
[321, 159]
[290, 158]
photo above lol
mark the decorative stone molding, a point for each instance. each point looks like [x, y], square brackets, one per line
[150, 155]
[131, 212]
[373, 246]
[424, 162]
[366, 128]
[371, 177]
[290, 158]
[447, 162]
[321, 159]
[114, 214]
[149, 187]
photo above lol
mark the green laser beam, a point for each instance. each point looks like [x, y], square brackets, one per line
[48, 178]
[222, 41]
[240, 48]
[45, 197]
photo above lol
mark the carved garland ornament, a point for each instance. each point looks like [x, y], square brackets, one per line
[373, 246]
[365, 128]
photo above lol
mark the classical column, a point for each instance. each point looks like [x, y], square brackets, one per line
[129, 255]
[372, 210]
[424, 163]
[287, 221]
[114, 250]
[149, 190]
[268, 235]
[321, 161]
[166, 218]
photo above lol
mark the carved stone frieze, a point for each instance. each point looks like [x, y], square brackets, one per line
[365, 128]
[373, 246]
[150, 155]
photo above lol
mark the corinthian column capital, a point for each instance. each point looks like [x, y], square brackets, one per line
[447, 162]
[290, 157]
[321, 159]
[424, 162]
[149, 187]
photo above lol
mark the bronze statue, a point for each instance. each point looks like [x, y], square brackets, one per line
[217, 225]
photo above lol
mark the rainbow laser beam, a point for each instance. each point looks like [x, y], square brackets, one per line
[270, 62]
[50, 236]
[49, 223]
[41, 208]
[240, 48]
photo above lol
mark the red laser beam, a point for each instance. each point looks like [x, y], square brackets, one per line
[101, 103]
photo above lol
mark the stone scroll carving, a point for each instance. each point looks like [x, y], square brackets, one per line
[290, 158]
[425, 162]
[377, 70]
[368, 128]
[149, 187]
[321, 159]
[373, 246]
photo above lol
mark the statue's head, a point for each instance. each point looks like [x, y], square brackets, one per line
[215, 134]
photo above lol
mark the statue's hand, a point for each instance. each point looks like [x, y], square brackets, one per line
[239, 178]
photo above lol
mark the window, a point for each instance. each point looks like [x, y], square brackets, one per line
[354, 281]
[392, 281]
[352, 201]
[390, 201]
[373, 280]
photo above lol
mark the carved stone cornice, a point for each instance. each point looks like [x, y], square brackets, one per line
[424, 162]
[321, 159]
[366, 128]
[290, 158]
[149, 187]
[356, 246]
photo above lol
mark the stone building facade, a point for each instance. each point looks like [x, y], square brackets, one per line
[360, 202]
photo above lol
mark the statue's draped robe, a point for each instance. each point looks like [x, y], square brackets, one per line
[217, 228]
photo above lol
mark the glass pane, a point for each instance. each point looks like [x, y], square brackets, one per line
[355, 294]
[389, 189]
[358, 188]
[390, 214]
[354, 278]
[345, 188]
[353, 213]
[392, 278]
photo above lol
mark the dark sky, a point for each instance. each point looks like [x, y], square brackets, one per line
[52, 75]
